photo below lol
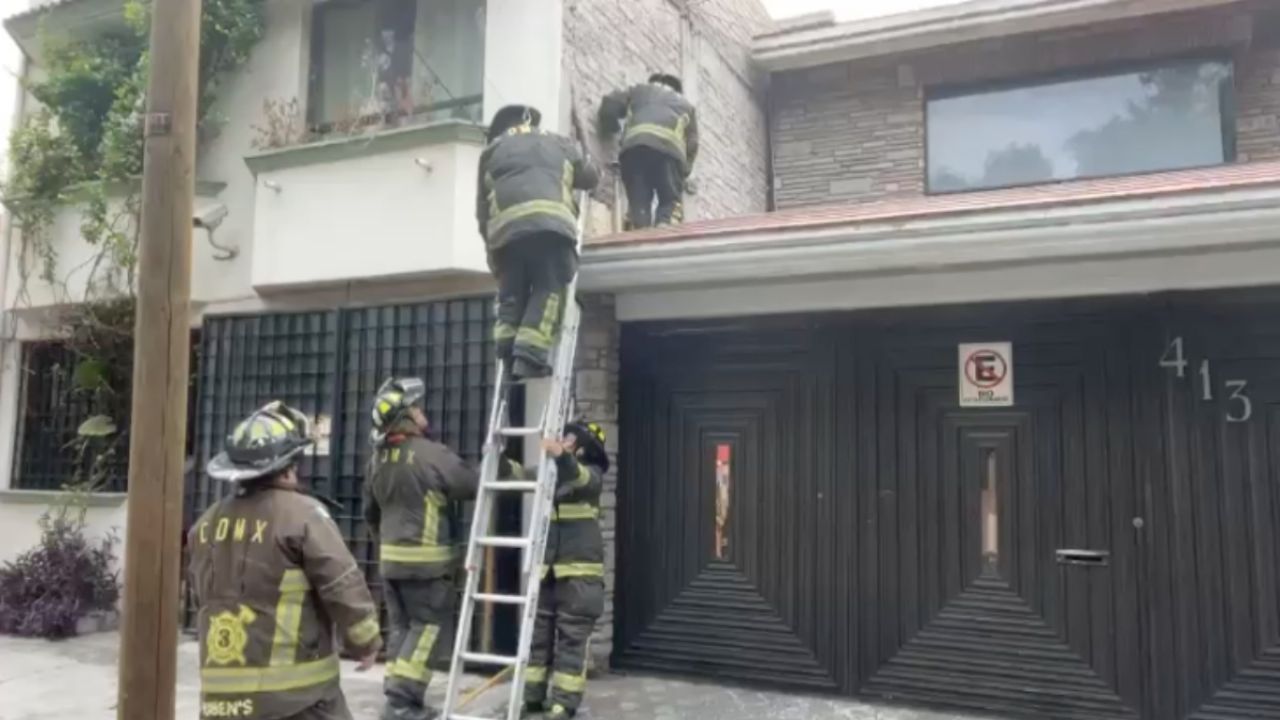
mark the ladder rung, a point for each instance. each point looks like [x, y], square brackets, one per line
[512, 485]
[519, 431]
[487, 659]
[503, 542]
[500, 599]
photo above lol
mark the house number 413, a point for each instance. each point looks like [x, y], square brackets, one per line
[1241, 407]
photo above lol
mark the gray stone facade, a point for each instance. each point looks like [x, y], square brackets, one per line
[610, 44]
[596, 398]
[854, 132]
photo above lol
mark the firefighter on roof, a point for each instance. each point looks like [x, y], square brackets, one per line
[572, 595]
[273, 581]
[408, 506]
[528, 217]
[659, 145]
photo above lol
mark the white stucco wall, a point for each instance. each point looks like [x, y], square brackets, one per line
[523, 46]
[20, 522]
[277, 70]
[319, 223]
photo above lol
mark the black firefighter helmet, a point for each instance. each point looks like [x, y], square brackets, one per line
[263, 444]
[394, 400]
[512, 116]
[589, 437]
[669, 80]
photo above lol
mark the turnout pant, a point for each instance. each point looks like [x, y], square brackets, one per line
[647, 173]
[567, 612]
[532, 274]
[418, 611]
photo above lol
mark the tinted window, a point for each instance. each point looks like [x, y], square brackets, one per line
[1162, 118]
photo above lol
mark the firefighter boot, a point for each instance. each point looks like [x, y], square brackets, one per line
[560, 712]
[524, 368]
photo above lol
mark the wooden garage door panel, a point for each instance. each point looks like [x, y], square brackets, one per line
[1214, 626]
[873, 572]
[1027, 636]
[748, 612]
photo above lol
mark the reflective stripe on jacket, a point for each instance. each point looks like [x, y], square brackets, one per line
[408, 505]
[273, 578]
[527, 180]
[575, 545]
[657, 117]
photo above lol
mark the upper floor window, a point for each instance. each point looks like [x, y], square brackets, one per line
[376, 62]
[1167, 117]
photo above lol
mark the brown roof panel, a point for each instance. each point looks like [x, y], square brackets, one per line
[1078, 192]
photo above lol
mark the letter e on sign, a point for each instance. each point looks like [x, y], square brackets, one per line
[986, 374]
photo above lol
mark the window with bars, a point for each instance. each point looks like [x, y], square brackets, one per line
[58, 394]
[51, 454]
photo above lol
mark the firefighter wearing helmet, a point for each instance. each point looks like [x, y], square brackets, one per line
[274, 583]
[658, 147]
[572, 595]
[528, 217]
[409, 497]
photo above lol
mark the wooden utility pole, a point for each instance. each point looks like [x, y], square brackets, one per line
[153, 544]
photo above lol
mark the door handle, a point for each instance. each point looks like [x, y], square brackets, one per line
[1069, 556]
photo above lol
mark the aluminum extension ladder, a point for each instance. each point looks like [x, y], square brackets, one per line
[554, 416]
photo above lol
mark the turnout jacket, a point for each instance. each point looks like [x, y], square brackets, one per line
[408, 498]
[274, 580]
[527, 183]
[657, 117]
[575, 546]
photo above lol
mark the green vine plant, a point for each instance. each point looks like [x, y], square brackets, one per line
[83, 147]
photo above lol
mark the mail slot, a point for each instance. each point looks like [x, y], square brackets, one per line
[1084, 557]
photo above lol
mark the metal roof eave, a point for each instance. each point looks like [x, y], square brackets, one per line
[948, 25]
[1202, 223]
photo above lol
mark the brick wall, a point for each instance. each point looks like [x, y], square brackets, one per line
[596, 394]
[854, 132]
[610, 44]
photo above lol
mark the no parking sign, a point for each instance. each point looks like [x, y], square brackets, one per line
[986, 374]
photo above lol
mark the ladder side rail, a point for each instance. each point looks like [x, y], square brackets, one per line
[553, 419]
[480, 518]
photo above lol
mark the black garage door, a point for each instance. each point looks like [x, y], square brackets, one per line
[803, 501]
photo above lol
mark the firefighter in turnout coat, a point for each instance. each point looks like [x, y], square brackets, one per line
[572, 595]
[659, 145]
[528, 217]
[273, 581]
[408, 507]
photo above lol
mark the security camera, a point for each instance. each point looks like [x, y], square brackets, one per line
[210, 216]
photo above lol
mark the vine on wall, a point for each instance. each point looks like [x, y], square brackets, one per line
[84, 147]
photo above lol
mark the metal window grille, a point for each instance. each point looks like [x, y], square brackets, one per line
[329, 365]
[52, 411]
[446, 343]
[247, 361]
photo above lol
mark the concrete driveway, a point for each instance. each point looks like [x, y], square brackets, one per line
[42, 680]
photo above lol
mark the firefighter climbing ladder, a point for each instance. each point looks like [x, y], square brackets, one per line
[553, 419]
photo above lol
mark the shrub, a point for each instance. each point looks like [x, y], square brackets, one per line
[48, 589]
